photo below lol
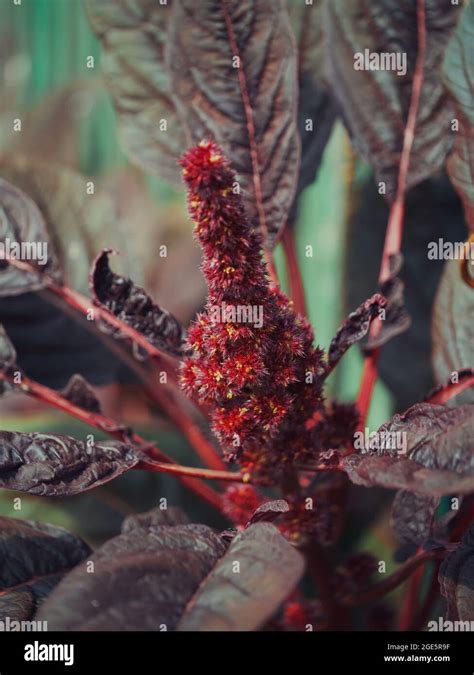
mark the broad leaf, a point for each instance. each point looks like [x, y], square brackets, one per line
[34, 557]
[453, 328]
[183, 572]
[375, 102]
[158, 567]
[458, 72]
[316, 108]
[23, 236]
[169, 516]
[133, 37]
[77, 222]
[247, 585]
[53, 465]
[234, 70]
[134, 307]
[439, 456]
[456, 577]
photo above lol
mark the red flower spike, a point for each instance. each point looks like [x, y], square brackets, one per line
[253, 359]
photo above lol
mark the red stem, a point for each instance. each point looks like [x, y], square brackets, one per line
[294, 272]
[450, 390]
[393, 236]
[98, 421]
[204, 449]
[195, 472]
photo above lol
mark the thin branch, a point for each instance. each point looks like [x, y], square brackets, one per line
[448, 391]
[195, 472]
[83, 305]
[98, 421]
[393, 236]
[394, 580]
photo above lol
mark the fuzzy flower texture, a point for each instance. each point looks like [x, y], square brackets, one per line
[252, 358]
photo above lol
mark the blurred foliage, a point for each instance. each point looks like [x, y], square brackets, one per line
[44, 47]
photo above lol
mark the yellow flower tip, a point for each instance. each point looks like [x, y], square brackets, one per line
[246, 478]
[214, 158]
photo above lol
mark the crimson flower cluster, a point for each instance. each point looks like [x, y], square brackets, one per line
[261, 379]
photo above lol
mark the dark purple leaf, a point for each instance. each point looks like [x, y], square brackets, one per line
[269, 512]
[453, 328]
[412, 517]
[53, 465]
[456, 578]
[142, 580]
[33, 559]
[439, 456]
[134, 37]
[169, 516]
[234, 70]
[376, 102]
[79, 392]
[400, 473]
[132, 305]
[23, 236]
[316, 108]
[458, 72]
[184, 573]
[269, 569]
[354, 328]
[396, 319]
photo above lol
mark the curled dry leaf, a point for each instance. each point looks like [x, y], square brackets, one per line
[132, 305]
[375, 102]
[80, 392]
[354, 328]
[316, 107]
[439, 458]
[453, 328]
[35, 556]
[396, 319]
[21, 228]
[234, 71]
[269, 512]
[269, 569]
[456, 578]
[458, 72]
[55, 466]
[133, 37]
